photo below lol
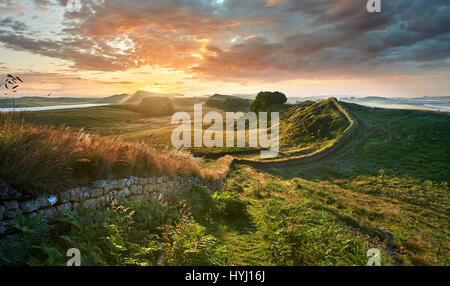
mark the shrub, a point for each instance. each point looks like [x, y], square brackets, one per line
[230, 205]
[141, 232]
[191, 245]
[32, 246]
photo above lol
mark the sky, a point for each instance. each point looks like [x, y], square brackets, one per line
[203, 47]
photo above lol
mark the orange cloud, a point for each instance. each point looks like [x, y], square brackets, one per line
[273, 2]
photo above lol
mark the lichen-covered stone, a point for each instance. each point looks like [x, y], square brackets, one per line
[134, 180]
[64, 207]
[11, 205]
[94, 193]
[137, 190]
[149, 188]
[46, 201]
[123, 193]
[100, 183]
[12, 213]
[29, 206]
[85, 193]
[64, 197]
[121, 184]
[75, 195]
[90, 204]
[108, 187]
[143, 181]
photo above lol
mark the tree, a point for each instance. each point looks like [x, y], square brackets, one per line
[265, 99]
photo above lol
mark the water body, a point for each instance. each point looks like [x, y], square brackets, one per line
[56, 107]
[403, 104]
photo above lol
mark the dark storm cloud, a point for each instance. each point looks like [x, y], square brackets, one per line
[9, 22]
[276, 39]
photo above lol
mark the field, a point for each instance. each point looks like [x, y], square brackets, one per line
[386, 187]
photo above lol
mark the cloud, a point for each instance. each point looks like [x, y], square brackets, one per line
[239, 40]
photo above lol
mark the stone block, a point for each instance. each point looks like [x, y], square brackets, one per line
[137, 190]
[149, 188]
[12, 213]
[85, 193]
[123, 193]
[64, 197]
[29, 206]
[75, 195]
[11, 205]
[64, 207]
[100, 184]
[94, 193]
[90, 204]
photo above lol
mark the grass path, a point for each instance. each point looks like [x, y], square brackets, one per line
[244, 242]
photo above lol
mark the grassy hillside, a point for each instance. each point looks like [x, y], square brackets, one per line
[305, 128]
[311, 122]
[255, 219]
[405, 142]
[40, 158]
[229, 103]
[385, 188]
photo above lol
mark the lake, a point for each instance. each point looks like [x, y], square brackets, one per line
[56, 107]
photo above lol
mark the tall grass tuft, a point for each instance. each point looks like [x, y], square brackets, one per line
[42, 159]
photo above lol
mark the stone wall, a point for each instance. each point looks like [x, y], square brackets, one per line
[99, 194]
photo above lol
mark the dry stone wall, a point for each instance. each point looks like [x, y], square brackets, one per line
[99, 194]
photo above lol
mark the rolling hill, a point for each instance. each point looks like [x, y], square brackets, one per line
[311, 122]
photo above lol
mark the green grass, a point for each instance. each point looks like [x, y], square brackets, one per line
[260, 219]
[385, 188]
[142, 232]
[311, 124]
[405, 142]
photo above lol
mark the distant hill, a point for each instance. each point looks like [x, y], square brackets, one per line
[311, 121]
[229, 102]
[119, 98]
[156, 106]
[137, 97]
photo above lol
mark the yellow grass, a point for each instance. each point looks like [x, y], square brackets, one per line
[41, 158]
